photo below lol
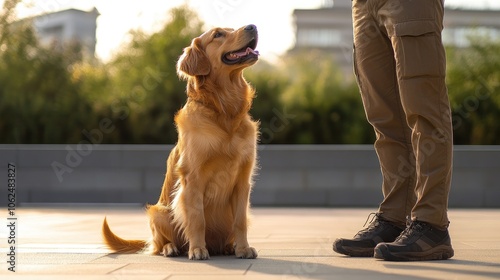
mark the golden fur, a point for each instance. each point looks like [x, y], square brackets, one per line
[204, 203]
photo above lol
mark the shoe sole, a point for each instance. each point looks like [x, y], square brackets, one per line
[441, 252]
[353, 251]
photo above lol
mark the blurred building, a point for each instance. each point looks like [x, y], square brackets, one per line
[60, 28]
[329, 28]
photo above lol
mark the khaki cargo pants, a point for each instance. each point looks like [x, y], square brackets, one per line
[399, 62]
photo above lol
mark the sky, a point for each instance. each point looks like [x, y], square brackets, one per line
[273, 17]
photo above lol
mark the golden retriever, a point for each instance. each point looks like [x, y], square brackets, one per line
[204, 202]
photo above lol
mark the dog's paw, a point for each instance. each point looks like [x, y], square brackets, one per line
[229, 249]
[246, 253]
[198, 254]
[169, 250]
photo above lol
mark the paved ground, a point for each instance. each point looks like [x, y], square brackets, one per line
[64, 243]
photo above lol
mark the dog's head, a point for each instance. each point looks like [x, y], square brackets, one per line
[221, 49]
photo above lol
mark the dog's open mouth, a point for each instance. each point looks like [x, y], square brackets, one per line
[240, 56]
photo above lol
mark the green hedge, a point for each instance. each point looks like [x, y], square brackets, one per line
[49, 96]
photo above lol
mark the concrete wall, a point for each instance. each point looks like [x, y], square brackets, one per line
[289, 175]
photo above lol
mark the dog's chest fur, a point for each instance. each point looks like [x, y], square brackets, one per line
[217, 150]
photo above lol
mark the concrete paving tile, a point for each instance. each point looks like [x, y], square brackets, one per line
[74, 276]
[58, 277]
[450, 269]
[49, 258]
[306, 253]
[350, 275]
[216, 265]
[482, 255]
[62, 225]
[369, 268]
[142, 277]
[63, 248]
[322, 268]
[292, 266]
[491, 244]
[132, 258]
[60, 269]
[278, 244]
[223, 277]
[293, 243]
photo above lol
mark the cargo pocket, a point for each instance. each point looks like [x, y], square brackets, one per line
[418, 49]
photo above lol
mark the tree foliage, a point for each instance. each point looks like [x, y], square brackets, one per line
[52, 95]
[304, 99]
[474, 89]
[39, 102]
[144, 91]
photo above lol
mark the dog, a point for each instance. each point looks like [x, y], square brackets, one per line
[204, 203]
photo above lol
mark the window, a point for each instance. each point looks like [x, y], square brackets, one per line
[319, 37]
[461, 37]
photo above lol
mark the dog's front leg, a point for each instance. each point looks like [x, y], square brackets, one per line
[240, 205]
[194, 222]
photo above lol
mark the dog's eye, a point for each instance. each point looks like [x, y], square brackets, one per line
[218, 34]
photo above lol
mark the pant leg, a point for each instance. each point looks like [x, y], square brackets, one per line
[375, 70]
[414, 28]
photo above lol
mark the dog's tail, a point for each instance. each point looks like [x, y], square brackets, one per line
[119, 245]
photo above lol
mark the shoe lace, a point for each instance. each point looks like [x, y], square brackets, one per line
[412, 228]
[374, 221]
[373, 215]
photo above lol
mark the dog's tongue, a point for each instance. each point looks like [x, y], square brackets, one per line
[247, 52]
[237, 55]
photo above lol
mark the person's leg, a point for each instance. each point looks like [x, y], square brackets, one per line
[375, 70]
[415, 33]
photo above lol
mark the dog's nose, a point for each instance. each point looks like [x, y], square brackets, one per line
[250, 27]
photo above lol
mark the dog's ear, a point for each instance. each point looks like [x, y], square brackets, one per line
[193, 62]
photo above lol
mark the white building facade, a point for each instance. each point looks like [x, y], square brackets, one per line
[72, 25]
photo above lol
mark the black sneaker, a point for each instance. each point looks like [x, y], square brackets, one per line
[365, 240]
[418, 242]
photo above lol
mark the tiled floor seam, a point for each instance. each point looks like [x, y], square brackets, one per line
[110, 272]
[249, 267]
